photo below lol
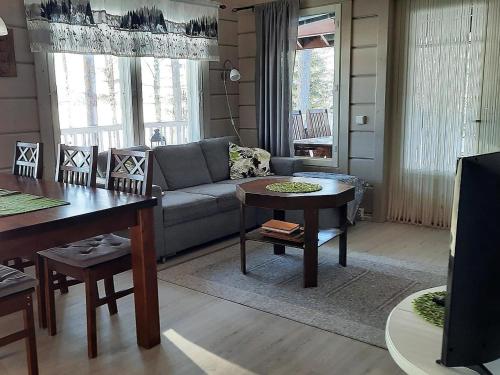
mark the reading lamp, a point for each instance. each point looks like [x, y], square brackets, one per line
[3, 28]
[229, 71]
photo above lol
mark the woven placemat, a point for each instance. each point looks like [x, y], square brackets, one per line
[429, 310]
[15, 203]
[293, 187]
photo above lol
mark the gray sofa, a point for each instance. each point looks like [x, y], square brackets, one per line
[197, 199]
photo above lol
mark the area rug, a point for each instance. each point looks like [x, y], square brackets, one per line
[354, 301]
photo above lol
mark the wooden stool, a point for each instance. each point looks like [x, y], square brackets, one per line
[16, 289]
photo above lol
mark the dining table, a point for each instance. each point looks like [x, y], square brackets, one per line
[90, 212]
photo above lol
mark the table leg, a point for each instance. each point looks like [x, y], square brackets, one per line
[279, 215]
[310, 248]
[40, 291]
[147, 313]
[243, 240]
[343, 236]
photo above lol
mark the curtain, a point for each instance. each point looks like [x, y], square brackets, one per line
[437, 108]
[276, 29]
[134, 28]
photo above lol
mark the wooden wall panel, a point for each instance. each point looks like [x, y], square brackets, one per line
[228, 33]
[364, 61]
[18, 116]
[220, 128]
[247, 93]
[248, 117]
[22, 86]
[361, 145]
[12, 12]
[226, 53]
[246, 22]
[363, 89]
[363, 168]
[247, 69]
[365, 32]
[218, 106]
[22, 46]
[247, 45]
[364, 8]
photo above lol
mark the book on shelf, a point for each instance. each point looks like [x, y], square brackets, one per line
[296, 236]
[279, 226]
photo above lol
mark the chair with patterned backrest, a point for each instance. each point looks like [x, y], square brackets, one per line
[77, 165]
[28, 160]
[127, 171]
[297, 126]
[100, 257]
[318, 124]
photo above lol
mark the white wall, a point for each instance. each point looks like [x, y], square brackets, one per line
[18, 101]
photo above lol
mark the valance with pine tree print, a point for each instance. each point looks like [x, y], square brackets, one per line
[159, 28]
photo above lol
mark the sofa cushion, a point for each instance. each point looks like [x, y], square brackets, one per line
[224, 194]
[158, 179]
[248, 162]
[183, 165]
[179, 207]
[216, 151]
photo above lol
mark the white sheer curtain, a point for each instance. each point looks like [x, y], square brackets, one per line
[438, 91]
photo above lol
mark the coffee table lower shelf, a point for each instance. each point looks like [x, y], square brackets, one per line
[324, 236]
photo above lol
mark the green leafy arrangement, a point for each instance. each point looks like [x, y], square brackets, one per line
[430, 310]
[293, 187]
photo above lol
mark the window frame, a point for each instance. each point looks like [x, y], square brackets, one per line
[49, 121]
[334, 162]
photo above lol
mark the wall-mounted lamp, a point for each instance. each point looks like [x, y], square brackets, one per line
[229, 71]
[3, 28]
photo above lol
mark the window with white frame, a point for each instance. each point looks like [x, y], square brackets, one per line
[95, 100]
[315, 100]
[170, 99]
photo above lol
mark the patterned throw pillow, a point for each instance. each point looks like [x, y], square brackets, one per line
[248, 162]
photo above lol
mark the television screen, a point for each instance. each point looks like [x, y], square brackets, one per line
[471, 334]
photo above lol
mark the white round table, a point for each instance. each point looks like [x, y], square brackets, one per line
[415, 344]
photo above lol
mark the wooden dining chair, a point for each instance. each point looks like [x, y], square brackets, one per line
[28, 160]
[16, 291]
[297, 125]
[318, 124]
[100, 257]
[77, 165]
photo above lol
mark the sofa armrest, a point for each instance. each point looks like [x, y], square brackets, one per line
[285, 166]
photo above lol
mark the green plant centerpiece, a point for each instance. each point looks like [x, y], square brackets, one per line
[293, 187]
[430, 310]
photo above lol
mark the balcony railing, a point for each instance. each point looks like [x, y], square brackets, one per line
[175, 132]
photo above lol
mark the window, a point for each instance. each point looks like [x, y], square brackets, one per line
[95, 100]
[314, 118]
[91, 99]
[170, 100]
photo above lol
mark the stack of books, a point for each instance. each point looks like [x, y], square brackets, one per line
[283, 230]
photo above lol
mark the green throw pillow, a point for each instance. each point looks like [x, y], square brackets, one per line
[248, 162]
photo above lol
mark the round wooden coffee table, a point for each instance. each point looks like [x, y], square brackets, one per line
[332, 195]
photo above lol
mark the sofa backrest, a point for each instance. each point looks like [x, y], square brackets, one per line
[182, 165]
[216, 152]
[158, 179]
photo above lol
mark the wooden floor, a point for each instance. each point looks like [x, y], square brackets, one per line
[204, 334]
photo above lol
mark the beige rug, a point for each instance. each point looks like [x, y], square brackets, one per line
[354, 301]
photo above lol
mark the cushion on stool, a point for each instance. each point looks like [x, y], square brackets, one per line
[13, 281]
[90, 252]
